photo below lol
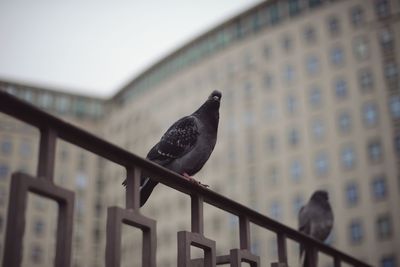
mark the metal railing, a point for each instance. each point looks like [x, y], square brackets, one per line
[51, 128]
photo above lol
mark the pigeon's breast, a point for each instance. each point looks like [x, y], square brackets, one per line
[195, 159]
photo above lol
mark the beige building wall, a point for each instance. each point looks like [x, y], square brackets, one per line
[305, 105]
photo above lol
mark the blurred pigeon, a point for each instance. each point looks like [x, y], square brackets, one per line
[315, 220]
[186, 146]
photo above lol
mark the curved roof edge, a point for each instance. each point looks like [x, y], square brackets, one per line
[186, 46]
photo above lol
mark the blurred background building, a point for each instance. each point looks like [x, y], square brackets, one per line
[311, 100]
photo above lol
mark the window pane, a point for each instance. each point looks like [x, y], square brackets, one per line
[370, 115]
[348, 157]
[352, 194]
[394, 105]
[379, 188]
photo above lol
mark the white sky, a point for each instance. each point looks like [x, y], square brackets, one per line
[96, 47]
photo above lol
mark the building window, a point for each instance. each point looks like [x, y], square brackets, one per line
[356, 232]
[268, 81]
[391, 71]
[315, 97]
[351, 194]
[321, 164]
[37, 254]
[276, 210]
[361, 48]
[397, 143]
[357, 16]
[365, 80]
[293, 137]
[267, 52]
[296, 170]
[348, 157]
[388, 261]
[270, 111]
[375, 151]
[337, 56]
[333, 25]
[63, 104]
[394, 106]
[313, 65]
[294, 7]
[289, 74]
[81, 180]
[318, 130]
[341, 90]
[3, 171]
[25, 149]
[287, 43]
[310, 35]
[379, 188]
[291, 104]
[384, 227]
[271, 143]
[6, 147]
[382, 8]
[273, 175]
[39, 227]
[370, 115]
[274, 16]
[386, 38]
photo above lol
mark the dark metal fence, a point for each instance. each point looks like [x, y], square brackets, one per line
[52, 128]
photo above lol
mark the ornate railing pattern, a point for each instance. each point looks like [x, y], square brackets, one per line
[52, 128]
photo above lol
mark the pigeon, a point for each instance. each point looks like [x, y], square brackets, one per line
[315, 220]
[186, 146]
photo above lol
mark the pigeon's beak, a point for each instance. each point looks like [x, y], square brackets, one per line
[216, 98]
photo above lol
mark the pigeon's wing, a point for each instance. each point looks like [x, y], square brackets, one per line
[304, 220]
[179, 139]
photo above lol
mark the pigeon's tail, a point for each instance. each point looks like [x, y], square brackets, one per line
[306, 262]
[146, 187]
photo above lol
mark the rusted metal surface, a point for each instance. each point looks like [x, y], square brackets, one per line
[188, 239]
[21, 185]
[115, 218]
[51, 128]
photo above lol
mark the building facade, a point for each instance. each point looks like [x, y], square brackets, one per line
[310, 100]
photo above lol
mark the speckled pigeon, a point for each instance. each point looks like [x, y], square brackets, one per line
[186, 146]
[315, 220]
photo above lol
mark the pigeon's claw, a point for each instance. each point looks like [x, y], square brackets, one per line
[191, 179]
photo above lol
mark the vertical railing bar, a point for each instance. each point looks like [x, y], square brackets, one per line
[197, 214]
[312, 256]
[282, 248]
[47, 150]
[244, 231]
[132, 196]
[336, 261]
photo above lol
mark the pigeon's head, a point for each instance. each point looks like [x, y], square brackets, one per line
[320, 195]
[215, 96]
[214, 100]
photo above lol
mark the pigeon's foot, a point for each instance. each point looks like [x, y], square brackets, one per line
[191, 179]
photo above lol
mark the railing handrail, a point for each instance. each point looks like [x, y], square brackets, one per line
[34, 116]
